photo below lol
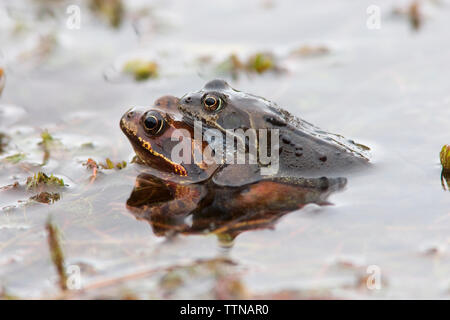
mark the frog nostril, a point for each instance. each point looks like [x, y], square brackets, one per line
[188, 99]
[130, 114]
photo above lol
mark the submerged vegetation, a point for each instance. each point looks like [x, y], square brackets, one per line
[46, 197]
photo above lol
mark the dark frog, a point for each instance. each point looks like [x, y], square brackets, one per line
[303, 148]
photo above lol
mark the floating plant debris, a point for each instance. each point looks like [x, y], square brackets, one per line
[87, 145]
[415, 15]
[41, 179]
[445, 162]
[231, 65]
[46, 144]
[261, 62]
[56, 253]
[257, 63]
[4, 140]
[141, 69]
[108, 165]
[15, 158]
[413, 12]
[14, 185]
[2, 80]
[111, 165]
[310, 51]
[445, 157]
[91, 164]
[112, 11]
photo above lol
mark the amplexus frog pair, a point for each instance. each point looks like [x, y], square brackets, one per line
[236, 153]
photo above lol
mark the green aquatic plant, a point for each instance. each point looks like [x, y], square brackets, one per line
[47, 143]
[445, 162]
[15, 158]
[108, 165]
[41, 179]
[257, 63]
[445, 157]
[111, 165]
[110, 10]
[46, 138]
[232, 65]
[260, 62]
[141, 69]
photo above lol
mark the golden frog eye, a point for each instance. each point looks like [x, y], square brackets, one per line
[154, 122]
[212, 103]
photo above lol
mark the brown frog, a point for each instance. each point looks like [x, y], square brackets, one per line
[196, 197]
[151, 134]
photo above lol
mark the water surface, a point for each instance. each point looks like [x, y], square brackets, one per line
[386, 88]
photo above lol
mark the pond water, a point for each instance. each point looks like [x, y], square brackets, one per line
[386, 88]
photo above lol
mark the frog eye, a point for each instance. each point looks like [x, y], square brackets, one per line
[153, 122]
[212, 103]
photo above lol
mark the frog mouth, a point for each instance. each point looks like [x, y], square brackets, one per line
[130, 130]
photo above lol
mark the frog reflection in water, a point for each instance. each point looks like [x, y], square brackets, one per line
[194, 197]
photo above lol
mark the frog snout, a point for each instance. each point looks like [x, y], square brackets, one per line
[130, 114]
[129, 117]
